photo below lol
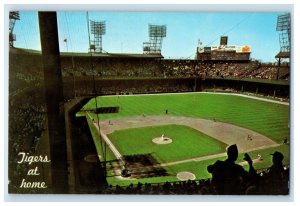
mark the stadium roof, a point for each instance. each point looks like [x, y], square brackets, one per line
[283, 55]
[100, 55]
[112, 55]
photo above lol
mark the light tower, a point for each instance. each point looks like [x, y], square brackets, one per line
[13, 17]
[156, 35]
[98, 28]
[284, 27]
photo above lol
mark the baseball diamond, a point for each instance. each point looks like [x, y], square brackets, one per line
[217, 121]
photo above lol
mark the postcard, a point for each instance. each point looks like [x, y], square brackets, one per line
[156, 103]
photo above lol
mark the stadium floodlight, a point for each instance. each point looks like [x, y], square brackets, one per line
[98, 29]
[283, 22]
[157, 30]
[284, 27]
[13, 17]
[156, 35]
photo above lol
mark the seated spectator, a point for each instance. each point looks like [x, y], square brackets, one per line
[276, 182]
[229, 178]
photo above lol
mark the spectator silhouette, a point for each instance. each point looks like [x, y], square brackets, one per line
[277, 183]
[229, 178]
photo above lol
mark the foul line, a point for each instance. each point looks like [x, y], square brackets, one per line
[208, 157]
[110, 144]
[106, 139]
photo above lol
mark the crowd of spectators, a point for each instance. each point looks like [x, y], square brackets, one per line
[27, 124]
[28, 68]
[168, 188]
[224, 70]
[115, 68]
[228, 178]
[125, 68]
[27, 110]
[147, 89]
[26, 105]
[85, 88]
[270, 72]
[264, 186]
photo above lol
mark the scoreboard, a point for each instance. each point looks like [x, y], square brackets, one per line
[224, 52]
[229, 53]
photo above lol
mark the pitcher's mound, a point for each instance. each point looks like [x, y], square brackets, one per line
[183, 176]
[160, 140]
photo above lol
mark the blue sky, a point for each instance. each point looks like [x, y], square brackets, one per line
[126, 31]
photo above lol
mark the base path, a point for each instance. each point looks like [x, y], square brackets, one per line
[109, 143]
[226, 133]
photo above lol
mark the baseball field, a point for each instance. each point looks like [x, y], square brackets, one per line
[172, 137]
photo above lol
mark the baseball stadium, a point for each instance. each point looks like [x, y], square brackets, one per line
[120, 123]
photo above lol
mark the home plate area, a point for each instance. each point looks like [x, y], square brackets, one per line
[139, 166]
[184, 176]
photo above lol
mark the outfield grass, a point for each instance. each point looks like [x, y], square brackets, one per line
[269, 119]
[187, 142]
